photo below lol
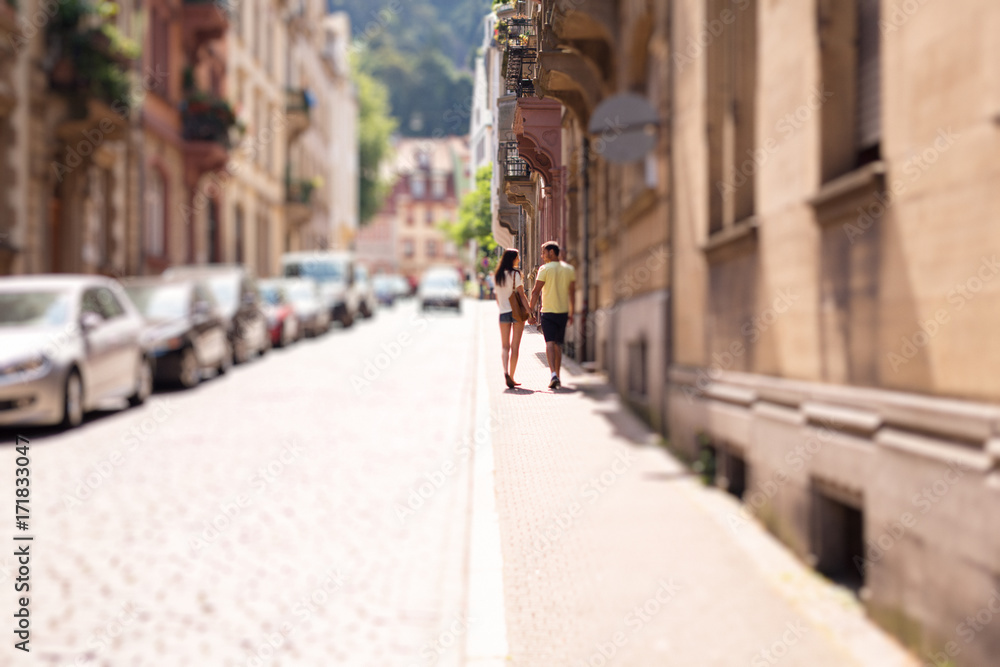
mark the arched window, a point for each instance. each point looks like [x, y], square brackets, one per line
[156, 214]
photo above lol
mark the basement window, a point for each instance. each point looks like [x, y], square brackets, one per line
[838, 540]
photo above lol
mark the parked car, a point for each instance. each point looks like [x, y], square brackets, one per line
[185, 329]
[440, 288]
[386, 289]
[235, 290]
[404, 289]
[363, 287]
[334, 271]
[307, 302]
[282, 322]
[68, 343]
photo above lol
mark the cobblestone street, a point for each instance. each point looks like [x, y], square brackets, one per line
[251, 521]
[317, 507]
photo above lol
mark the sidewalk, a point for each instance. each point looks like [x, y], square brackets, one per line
[614, 555]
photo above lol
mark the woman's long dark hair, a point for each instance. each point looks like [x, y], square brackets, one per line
[506, 266]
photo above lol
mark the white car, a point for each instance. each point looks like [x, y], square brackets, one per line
[68, 343]
[334, 271]
[440, 288]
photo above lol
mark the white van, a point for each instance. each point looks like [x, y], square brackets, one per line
[334, 272]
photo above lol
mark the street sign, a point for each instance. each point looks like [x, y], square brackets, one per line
[624, 128]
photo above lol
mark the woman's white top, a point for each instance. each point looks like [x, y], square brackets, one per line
[504, 291]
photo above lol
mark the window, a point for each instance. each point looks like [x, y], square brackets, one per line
[731, 85]
[432, 248]
[430, 217]
[418, 186]
[214, 232]
[408, 248]
[159, 50]
[439, 187]
[155, 214]
[262, 245]
[102, 301]
[851, 104]
[238, 233]
[111, 307]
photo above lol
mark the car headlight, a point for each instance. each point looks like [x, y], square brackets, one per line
[27, 366]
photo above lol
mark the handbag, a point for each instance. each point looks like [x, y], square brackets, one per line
[518, 308]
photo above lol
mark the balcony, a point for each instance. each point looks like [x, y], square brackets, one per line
[520, 60]
[207, 126]
[203, 21]
[298, 102]
[515, 168]
[299, 200]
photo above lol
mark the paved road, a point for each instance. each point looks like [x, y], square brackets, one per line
[307, 509]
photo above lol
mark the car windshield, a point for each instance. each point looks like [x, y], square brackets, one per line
[320, 270]
[271, 294]
[440, 281]
[301, 292]
[226, 291]
[33, 309]
[161, 302]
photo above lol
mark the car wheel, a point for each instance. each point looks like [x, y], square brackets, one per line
[189, 374]
[227, 360]
[143, 383]
[73, 401]
[240, 352]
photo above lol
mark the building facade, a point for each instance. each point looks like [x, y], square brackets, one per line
[795, 284]
[160, 135]
[430, 176]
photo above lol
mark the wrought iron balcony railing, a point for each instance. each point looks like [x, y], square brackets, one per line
[520, 56]
[515, 168]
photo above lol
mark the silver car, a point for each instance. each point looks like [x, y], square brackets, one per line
[67, 343]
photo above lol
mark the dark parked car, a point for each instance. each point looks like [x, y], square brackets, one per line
[235, 290]
[186, 332]
[67, 343]
[282, 322]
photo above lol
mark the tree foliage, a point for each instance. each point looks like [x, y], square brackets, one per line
[375, 127]
[420, 50]
[475, 216]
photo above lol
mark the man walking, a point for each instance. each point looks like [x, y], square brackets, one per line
[556, 284]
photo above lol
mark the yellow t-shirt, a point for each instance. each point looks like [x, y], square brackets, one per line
[555, 292]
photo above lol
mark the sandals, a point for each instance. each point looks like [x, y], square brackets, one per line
[510, 382]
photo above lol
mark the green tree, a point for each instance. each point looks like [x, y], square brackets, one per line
[375, 127]
[475, 217]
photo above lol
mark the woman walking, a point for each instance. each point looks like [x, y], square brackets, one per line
[507, 282]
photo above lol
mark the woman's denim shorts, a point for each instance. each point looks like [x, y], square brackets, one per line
[507, 317]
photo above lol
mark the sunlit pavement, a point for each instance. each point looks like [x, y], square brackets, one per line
[333, 504]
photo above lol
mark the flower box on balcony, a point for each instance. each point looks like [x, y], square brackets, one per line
[205, 117]
[298, 191]
[90, 57]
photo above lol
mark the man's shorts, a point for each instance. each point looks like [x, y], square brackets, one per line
[554, 327]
